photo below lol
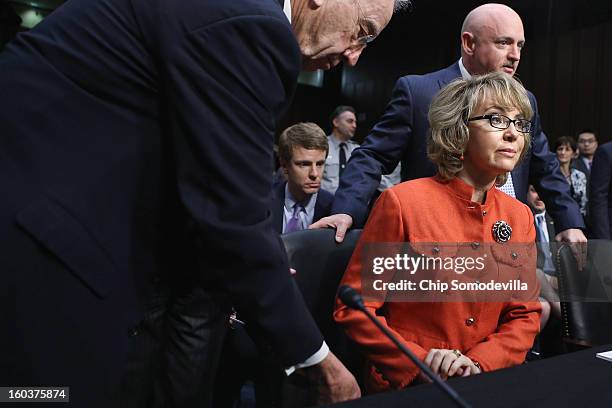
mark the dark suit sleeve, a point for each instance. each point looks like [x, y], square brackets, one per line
[227, 83]
[323, 205]
[545, 175]
[601, 173]
[379, 154]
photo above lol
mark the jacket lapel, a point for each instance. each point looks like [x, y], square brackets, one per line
[449, 74]
[278, 204]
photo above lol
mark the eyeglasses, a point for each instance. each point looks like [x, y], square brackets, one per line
[503, 122]
[586, 141]
[362, 40]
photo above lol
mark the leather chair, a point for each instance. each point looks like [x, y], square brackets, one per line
[320, 263]
[586, 311]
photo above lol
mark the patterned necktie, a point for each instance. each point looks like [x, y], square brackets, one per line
[342, 159]
[295, 223]
[508, 188]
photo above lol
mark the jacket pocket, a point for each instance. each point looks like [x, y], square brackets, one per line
[59, 232]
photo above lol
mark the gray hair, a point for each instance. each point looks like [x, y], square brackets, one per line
[402, 5]
[455, 103]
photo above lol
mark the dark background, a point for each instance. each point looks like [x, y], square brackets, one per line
[567, 62]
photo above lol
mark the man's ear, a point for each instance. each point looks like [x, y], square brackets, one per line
[334, 122]
[468, 42]
[315, 4]
[283, 163]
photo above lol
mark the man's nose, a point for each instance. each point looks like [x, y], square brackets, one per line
[352, 56]
[515, 53]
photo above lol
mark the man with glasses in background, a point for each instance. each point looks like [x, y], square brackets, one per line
[492, 39]
[587, 145]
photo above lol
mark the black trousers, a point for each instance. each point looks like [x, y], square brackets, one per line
[243, 360]
[174, 359]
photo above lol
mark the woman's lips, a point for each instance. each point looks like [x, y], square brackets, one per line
[507, 152]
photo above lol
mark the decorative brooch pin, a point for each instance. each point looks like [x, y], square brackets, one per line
[501, 231]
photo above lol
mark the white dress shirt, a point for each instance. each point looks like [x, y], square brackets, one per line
[331, 179]
[306, 216]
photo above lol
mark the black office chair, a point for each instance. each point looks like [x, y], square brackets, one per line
[320, 263]
[586, 311]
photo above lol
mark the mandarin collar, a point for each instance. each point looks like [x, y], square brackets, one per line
[464, 191]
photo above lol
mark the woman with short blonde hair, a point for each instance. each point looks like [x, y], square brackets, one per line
[456, 103]
[480, 131]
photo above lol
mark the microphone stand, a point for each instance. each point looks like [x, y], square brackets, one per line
[353, 300]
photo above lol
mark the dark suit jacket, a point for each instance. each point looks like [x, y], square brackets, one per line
[600, 201]
[578, 164]
[401, 135]
[322, 206]
[133, 131]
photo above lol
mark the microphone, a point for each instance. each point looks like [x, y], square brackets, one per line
[353, 300]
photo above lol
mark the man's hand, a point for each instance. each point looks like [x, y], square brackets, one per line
[573, 235]
[578, 244]
[332, 381]
[341, 222]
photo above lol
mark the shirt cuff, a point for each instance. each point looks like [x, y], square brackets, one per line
[316, 358]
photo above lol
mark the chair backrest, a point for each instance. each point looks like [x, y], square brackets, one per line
[320, 263]
[586, 313]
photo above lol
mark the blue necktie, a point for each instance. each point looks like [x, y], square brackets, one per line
[549, 266]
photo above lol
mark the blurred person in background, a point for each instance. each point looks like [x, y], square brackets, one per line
[565, 148]
[341, 145]
[587, 145]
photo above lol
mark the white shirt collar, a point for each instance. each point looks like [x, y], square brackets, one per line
[290, 201]
[586, 161]
[335, 141]
[287, 9]
[464, 72]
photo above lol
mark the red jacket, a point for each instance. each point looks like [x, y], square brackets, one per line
[495, 334]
